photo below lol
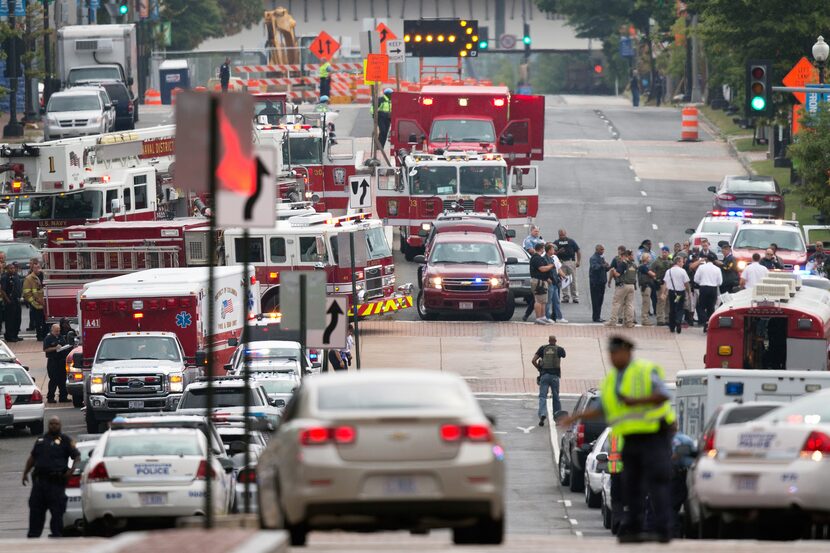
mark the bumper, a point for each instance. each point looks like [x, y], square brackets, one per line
[52, 132]
[739, 486]
[105, 499]
[772, 211]
[383, 306]
[28, 413]
[594, 481]
[413, 239]
[453, 302]
[361, 493]
[106, 408]
[522, 291]
[6, 420]
[240, 498]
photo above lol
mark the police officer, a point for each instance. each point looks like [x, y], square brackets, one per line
[548, 361]
[225, 74]
[636, 403]
[384, 115]
[324, 73]
[49, 459]
[55, 364]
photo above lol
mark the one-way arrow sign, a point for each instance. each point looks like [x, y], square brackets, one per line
[333, 334]
[360, 192]
[395, 50]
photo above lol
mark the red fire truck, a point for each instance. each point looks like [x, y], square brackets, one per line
[482, 119]
[779, 324]
[412, 195]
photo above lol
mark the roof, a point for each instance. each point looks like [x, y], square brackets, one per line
[468, 90]
[173, 64]
[482, 237]
[810, 300]
[186, 222]
[264, 344]
[157, 282]
[78, 91]
[381, 375]
[445, 225]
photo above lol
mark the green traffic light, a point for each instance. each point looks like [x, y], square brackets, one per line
[526, 39]
[758, 103]
[123, 9]
[483, 45]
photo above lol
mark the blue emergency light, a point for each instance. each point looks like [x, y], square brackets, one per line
[478, 280]
[734, 388]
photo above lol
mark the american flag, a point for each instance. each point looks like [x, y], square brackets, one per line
[227, 307]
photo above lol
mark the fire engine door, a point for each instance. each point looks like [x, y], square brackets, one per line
[514, 141]
[527, 121]
[391, 195]
[341, 149]
[406, 120]
[523, 179]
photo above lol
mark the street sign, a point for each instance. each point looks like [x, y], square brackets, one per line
[324, 46]
[814, 98]
[315, 299]
[626, 47]
[377, 67]
[802, 73]
[360, 192]
[4, 9]
[507, 42]
[396, 51]
[369, 43]
[385, 34]
[333, 333]
[20, 8]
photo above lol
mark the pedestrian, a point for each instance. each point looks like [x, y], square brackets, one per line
[657, 90]
[815, 262]
[646, 280]
[225, 74]
[324, 73]
[677, 282]
[634, 83]
[384, 115]
[539, 278]
[660, 266]
[705, 247]
[754, 272]
[597, 273]
[691, 306]
[770, 261]
[636, 404]
[33, 294]
[336, 360]
[625, 275]
[677, 249]
[66, 328]
[50, 460]
[346, 353]
[645, 247]
[614, 262]
[548, 361]
[568, 251]
[535, 237]
[53, 347]
[709, 279]
[553, 312]
[11, 289]
[729, 269]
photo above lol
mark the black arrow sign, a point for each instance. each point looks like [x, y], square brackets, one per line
[364, 185]
[328, 47]
[320, 47]
[395, 51]
[335, 313]
[383, 34]
[261, 171]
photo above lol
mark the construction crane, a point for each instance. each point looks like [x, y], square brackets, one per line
[281, 39]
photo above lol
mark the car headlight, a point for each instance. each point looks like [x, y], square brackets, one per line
[392, 207]
[435, 282]
[95, 120]
[389, 269]
[176, 382]
[389, 280]
[741, 265]
[96, 385]
[426, 226]
[497, 282]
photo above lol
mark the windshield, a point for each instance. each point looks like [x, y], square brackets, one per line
[84, 102]
[103, 73]
[270, 109]
[751, 187]
[761, 238]
[138, 347]
[278, 386]
[483, 180]
[80, 205]
[718, 227]
[5, 221]
[462, 130]
[19, 251]
[392, 395]
[376, 243]
[35, 207]
[746, 413]
[196, 398]
[813, 408]
[138, 445]
[434, 180]
[274, 353]
[459, 252]
[304, 151]
[14, 376]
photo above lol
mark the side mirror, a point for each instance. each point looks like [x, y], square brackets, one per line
[690, 231]
[510, 233]
[420, 259]
[201, 358]
[78, 359]
[130, 81]
[233, 342]
[712, 189]
[276, 402]
[511, 261]
[237, 446]
[227, 367]
[602, 457]
[107, 106]
[227, 464]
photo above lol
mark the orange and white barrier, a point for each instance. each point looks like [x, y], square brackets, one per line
[152, 97]
[688, 129]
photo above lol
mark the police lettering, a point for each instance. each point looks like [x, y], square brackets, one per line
[152, 469]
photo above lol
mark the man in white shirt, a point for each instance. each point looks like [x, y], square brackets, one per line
[677, 281]
[708, 277]
[754, 272]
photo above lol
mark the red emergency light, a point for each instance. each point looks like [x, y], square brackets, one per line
[498, 102]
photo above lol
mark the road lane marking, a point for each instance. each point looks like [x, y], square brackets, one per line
[573, 521]
[636, 179]
[526, 430]
[654, 226]
[648, 209]
[566, 502]
[554, 437]
[643, 192]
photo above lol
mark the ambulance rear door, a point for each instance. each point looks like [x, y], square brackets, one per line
[523, 138]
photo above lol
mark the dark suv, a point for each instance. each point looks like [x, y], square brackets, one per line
[576, 442]
[120, 97]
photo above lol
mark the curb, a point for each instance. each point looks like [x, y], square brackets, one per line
[714, 130]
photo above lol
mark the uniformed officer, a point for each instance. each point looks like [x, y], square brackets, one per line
[324, 73]
[49, 458]
[384, 115]
[636, 404]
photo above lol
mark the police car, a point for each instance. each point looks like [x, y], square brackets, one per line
[228, 399]
[147, 473]
[25, 398]
[73, 516]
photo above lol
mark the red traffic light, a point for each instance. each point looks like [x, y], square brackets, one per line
[758, 72]
[598, 69]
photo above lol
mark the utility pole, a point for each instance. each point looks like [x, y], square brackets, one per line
[697, 94]
[13, 128]
[47, 55]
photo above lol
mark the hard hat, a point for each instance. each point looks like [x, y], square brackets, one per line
[324, 99]
[387, 91]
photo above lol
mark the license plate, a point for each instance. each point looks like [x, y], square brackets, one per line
[135, 405]
[465, 305]
[745, 483]
[152, 499]
[399, 485]
[750, 202]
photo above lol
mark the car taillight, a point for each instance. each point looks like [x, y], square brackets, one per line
[472, 432]
[771, 198]
[580, 435]
[816, 442]
[37, 397]
[204, 470]
[8, 402]
[320, 435]
[246, 475]
[726, 197]
[74, 481]
[99, 473]
[696, 242]
[708, 441]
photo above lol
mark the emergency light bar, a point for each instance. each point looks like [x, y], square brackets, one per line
[730, 213]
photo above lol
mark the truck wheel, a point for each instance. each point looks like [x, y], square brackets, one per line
[77, 401]
[409, 252]
[507, 314]
[564, 476]
[92, 424]
[423, 313]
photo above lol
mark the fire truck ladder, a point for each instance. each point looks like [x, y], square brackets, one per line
[96, 262]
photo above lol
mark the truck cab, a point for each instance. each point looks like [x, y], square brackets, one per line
[135, 372]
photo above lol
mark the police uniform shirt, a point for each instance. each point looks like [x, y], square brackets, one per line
[53, 357]
[566, 249]
[540, 353]
[52, 454]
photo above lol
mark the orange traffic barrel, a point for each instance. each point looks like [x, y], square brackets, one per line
[200, 89]
[253, 86]
[173, 94]
[688, 129]
[152, 97]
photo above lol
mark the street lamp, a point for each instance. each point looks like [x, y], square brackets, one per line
[820, 52]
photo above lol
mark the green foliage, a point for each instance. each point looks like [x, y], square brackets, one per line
[193, 22]
[811, 154]
[601, 18]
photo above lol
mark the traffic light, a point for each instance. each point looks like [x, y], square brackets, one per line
[758, 97]
[439, 38]
[123, 8]
[526, 38]
[483, 38]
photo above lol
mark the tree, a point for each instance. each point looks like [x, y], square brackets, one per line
[31, 58]
[194, 22]
[811, 155]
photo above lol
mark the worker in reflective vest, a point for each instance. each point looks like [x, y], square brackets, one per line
[324, 72]
[384, 115]
[636, 404]
[615, 467]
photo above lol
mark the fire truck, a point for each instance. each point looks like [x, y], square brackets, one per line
[484, 119]
[779, 324]
[91, 178]
[314, 242]
[424, 185]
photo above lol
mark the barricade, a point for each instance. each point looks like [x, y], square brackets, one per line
[688, 129]
[152, 97]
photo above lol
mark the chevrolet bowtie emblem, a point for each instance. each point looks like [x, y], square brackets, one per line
[398, 436]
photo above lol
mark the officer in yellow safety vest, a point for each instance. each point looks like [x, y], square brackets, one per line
[324, 72]
[636, 404]
[384, 115]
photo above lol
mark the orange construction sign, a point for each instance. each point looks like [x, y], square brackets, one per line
[385, 34]
[324, 46]
[377, 68]
[802, 73]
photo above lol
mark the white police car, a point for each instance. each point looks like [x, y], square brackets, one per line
[151, 473]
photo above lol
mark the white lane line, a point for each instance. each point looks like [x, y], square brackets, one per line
[636, 179]
[631, 167]
[573, 521]
[554, 437]
[648, 209]
[578, 533]
[643, 192]
[566, 502]
[526, 430]
[654, 226]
